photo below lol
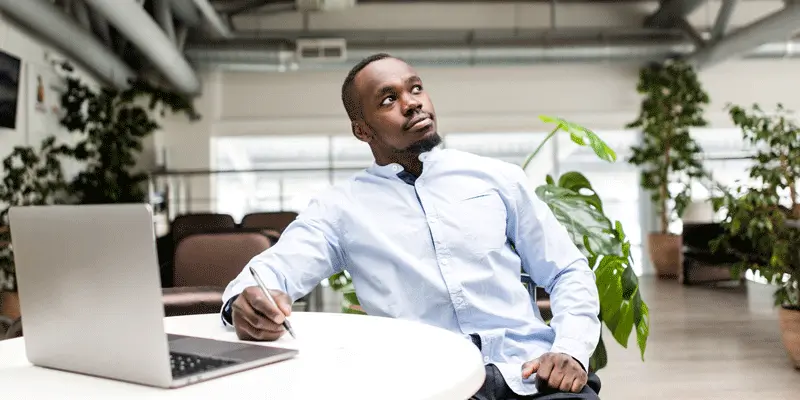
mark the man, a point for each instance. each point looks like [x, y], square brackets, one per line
[437, 236]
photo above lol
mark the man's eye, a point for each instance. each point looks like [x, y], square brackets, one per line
[416, 89]
[387, 100]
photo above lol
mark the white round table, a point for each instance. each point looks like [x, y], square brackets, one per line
[342, 356]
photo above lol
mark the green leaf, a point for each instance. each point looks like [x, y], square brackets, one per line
[580, 216]
[643, 329]
[609, 287]
[599, 358]
[622, 324]
[630, 283]
[578, 183]
[580, 135]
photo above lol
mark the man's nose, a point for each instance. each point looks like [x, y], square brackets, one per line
[412, 104]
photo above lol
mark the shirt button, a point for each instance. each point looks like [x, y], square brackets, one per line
[395, 168]
[486, 358]
[444, 262]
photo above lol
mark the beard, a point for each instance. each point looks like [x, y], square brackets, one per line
[423, 145]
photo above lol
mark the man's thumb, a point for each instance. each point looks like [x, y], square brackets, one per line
[284, 302]
[529, 368]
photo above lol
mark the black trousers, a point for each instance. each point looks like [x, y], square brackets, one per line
[496, 388]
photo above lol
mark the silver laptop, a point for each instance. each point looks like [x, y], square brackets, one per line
[90, 295]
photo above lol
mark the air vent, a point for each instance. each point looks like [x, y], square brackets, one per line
[321, 50]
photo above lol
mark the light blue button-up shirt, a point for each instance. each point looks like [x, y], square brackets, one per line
[445, 250]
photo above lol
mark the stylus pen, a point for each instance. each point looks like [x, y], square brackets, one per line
[263, 287]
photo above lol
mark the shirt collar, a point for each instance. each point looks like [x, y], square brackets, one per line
[391, 170]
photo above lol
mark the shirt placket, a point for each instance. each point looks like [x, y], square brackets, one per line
[444, 257]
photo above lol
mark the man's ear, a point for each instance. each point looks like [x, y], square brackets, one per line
[360, 132]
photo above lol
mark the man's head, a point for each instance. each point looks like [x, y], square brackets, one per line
[389, 108]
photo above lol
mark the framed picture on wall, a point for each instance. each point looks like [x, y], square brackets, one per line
[9, 89]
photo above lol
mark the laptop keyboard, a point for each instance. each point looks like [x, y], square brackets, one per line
[188, 364]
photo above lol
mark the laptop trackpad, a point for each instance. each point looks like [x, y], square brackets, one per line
[222, 349]
[202, 346]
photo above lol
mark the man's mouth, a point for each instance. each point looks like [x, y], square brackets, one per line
[418, 122]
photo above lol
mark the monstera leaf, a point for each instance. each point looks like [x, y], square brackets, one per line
[578, 207]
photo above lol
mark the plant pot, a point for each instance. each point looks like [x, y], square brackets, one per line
[789, 318]
[665, 253]
[9, 305]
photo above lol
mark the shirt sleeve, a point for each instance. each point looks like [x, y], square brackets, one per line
[307, 252]
[554, 262]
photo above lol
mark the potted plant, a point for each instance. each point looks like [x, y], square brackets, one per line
[672, 104]
[110, 125]
[31, 177]
[580, 210]
[762, 218]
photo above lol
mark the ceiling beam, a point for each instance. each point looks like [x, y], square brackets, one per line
[778, 26]
[723, 18]
[214, 19]
[671, 12]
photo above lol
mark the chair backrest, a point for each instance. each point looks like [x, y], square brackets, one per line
[271, 220]
[14, 330]
[214, 259]
[188, 224]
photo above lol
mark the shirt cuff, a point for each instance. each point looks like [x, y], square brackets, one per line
[227, 311]
[577, 349]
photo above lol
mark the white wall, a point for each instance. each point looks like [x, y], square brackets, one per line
[35, 122]
[599, 96]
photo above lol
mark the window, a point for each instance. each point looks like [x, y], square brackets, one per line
[286, 172]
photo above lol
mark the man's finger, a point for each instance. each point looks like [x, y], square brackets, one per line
[545, 369]
[261, 304]
[247, 331]
[567, 382]
[529, 368]
[246, 311]
[578, 385]
[556, 376]
[283, 300]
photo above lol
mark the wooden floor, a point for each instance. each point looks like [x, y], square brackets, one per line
[705, 343]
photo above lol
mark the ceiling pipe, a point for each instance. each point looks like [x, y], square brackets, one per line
[133, 22]
[186, 12]
[281, 57]
[48, 22]
[213, 18]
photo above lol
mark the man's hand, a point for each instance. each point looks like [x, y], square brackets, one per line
[254, 316]
[558, 371]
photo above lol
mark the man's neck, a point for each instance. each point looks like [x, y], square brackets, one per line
[413, 165]
[409, 161]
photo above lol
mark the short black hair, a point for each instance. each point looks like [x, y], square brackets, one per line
[352, 105]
